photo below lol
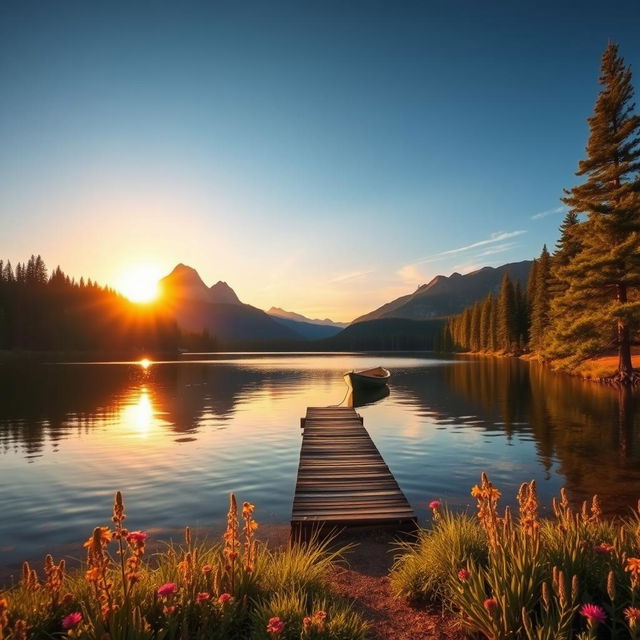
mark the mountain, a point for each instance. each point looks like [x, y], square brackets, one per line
[216, 309]
[386, 334]
[308, 330]
[444, 296]
[292, 315]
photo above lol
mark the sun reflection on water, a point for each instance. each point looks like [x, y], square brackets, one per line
[139, 415]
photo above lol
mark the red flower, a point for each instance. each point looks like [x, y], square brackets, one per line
[137, 536]
[203, 597]
[72, 620]
[207, 568]
[463, 574]
[603, 547]
[168, 589]
[490, 604]
[434, 504]
[275, 626]
[593, 613]
[225, 598]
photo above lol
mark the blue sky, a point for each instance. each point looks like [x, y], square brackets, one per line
[322, 157]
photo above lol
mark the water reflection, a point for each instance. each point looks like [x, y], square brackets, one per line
[177, 437]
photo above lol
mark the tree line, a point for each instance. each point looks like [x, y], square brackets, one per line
[42, 311]
[583, 300]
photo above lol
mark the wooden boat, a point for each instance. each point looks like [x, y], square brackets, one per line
[367, 378]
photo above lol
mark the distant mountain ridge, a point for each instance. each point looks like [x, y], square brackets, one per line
[217, 309]
[447, 295]
[292, 315]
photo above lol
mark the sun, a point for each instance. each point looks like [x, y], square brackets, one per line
[139, 284]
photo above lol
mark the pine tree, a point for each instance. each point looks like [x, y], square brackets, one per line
[485, 323]
[568, 245]
[540, 306]
[602, 279]
[506, 316]
[475, 337]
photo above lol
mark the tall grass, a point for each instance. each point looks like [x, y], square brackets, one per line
[520, 577]
[422, 570]
[236, 588]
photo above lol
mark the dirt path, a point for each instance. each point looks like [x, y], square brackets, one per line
[365, 583]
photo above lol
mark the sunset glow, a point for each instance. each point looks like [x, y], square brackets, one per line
[139, 284]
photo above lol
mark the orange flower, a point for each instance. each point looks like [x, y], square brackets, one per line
[100, 534]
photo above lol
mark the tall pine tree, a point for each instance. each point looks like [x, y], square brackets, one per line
[602, 279]
[540, 303]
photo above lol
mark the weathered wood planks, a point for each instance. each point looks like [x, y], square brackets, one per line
[342, 478]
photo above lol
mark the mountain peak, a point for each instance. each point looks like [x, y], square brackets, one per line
[222, 293]
[185, 282]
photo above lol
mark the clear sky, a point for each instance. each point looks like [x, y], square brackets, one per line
[324, 157]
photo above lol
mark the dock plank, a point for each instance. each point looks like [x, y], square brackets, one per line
[342, 478]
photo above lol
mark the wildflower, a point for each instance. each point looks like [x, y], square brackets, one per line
[101, 535]
[168, 589]
[207, 568]
[72, 620]
[593, 613]
[203, 597]
[632, 615]
[633, 566]
[490, 604]
[318, 619]
[307, 623]
[434, 504]
[225, 598]
[603, 548]
[20, 630]
[464, 574]
[275, 626]
[137, 536]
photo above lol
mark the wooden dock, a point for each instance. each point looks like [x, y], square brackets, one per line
[342, 478]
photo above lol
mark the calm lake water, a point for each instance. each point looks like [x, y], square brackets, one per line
[177, 437]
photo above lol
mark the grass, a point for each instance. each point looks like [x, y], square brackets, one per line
[510, 577]
[422, 570]
[233, 589]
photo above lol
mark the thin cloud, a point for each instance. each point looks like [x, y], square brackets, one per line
[352, 275]
[499, 236]
[501, 248]
[549, 212]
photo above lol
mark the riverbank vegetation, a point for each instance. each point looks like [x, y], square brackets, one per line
[583, 300]
[519, 576]
[238, 588]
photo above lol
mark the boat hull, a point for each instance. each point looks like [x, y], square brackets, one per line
[358, 381]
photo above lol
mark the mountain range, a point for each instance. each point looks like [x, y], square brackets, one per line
[217, 309]
[447, 295]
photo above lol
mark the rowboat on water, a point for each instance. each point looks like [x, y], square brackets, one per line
[367, 378]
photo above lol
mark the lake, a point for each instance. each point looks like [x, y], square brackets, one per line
[177, 437]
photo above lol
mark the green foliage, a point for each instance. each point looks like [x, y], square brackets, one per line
[597, 266]
[424, 568]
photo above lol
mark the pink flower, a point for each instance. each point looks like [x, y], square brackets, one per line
[137, 536]
[275, 626]
[593, 613]
[490, 604]
[319, 615]
[603, 548]
[203, 597]
[225, 598]
[463, 574]
[72, 620]
[434, 504]
[207, 568]
[168, 589]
